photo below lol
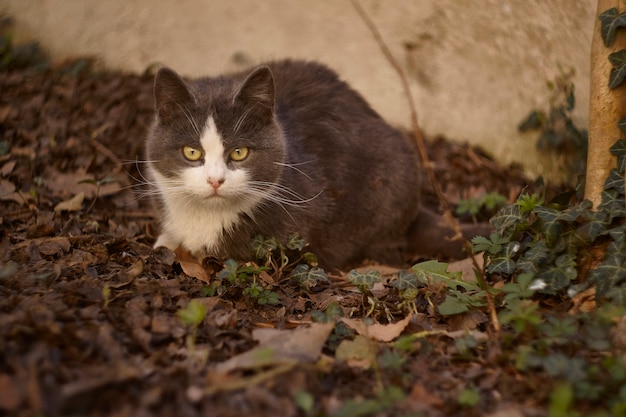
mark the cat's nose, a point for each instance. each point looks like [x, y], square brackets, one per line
[215, 183]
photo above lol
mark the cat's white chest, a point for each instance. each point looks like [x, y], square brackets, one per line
[197, 228]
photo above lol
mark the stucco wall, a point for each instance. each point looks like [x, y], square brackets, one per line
[476, 67]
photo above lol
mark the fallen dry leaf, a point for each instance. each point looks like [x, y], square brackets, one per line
[357, 353]
[377, 331]
[302, 344]
[73, 204]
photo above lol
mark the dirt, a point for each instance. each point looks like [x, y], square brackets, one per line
[89, 312]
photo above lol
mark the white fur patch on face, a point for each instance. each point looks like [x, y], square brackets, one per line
[196, 215]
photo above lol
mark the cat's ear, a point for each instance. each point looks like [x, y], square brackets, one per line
[171, 94]
[258, 91]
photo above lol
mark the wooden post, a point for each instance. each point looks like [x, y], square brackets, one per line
[606, 107]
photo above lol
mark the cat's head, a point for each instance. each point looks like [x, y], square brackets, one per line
[215, 141]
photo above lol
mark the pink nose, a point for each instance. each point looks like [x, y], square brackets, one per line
[215, 183]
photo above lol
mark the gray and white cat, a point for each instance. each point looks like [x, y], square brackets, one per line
[286, 147]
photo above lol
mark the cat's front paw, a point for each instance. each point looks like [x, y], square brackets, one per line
[166, 242]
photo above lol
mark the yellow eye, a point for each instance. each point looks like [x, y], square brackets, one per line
[192, 154]
[239, 154]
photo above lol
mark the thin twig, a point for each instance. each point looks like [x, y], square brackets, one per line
[419, 139]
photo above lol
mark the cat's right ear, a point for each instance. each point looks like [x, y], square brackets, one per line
[171, 94]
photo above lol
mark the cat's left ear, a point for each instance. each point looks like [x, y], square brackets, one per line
[258, 91]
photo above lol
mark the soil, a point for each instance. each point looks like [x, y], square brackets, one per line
[90, 319]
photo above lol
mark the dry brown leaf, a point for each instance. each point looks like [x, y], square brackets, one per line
[358, 353]
[466, 267]
[73, 204]
[380, 332]
[584, 301]
[191, 266]
[277, 347]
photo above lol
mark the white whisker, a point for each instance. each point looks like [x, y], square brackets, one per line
[294, 167]
[241, 119]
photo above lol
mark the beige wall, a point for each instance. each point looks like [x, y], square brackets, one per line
[476, 67]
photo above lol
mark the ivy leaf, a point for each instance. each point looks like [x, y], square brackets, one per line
[262, 247]
[558, 276]
[535, 256]
[611, 19]
[549, 221]
[618, 234]
[406, 281]
[618, 72]
[586, 233]
[617, 295]
[580, 210]
[611, 273]
[613, 204]
[295, 242]
[504, 264]
[619, 148]
[408, 285]
[615, 181]
[307, 277]
[364, 282]
[507, 219]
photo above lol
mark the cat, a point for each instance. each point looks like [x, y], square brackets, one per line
[284, 148]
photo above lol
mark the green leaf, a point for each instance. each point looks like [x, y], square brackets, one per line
[505, 264]
[452, 305]
[193, 314]
[618, 72]
[493, 200]
[262, 247]
[307, 277]
[611, 273]
[549, 223]
[408, 284]
[613, 204]
[559, 275]
[305, 401]
[615, 181]
[295, 242]
[610, 20]
[406, 280]
[435, 272]
[536, 255]
[617, 295]
[508, 218]
[588, 232]
[619, 148]
[230, 270]
[469, 396]
[493, 245]
[581, 210]
[267, 297]
[365, 281]
[561, 399]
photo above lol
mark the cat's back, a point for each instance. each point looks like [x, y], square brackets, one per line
[311, 89]
[366, 170]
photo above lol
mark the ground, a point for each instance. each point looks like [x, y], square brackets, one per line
[95, 322]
